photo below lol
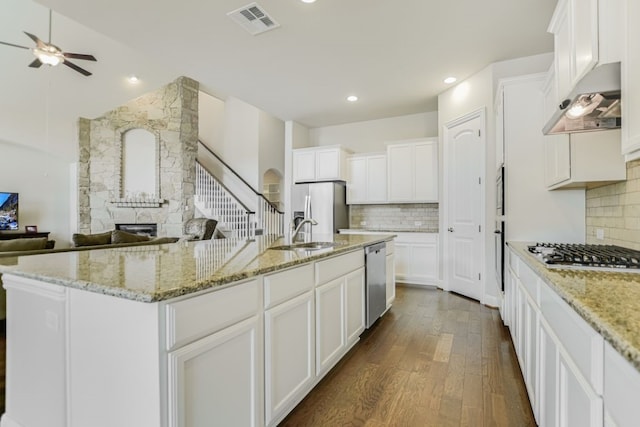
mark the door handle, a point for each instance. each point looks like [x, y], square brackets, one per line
[450, 229]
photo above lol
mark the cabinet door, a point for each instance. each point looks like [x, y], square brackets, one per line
[630, 81]
[426, 172]
[424, 262]
[328, 164]
[304, 166]
[391, 280]
[578, 404]
[402, 261]
[562, 50]
[215, 380]
[530, 367]
[584, 30]
[330, 331]
[377, 179]
[548, 371]
[400, 172]
[357, 182]
[557, 159]
[289, 353]
[354, 306]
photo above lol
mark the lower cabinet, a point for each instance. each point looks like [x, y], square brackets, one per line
[560, 355]
[416, 258]
[391, 278]
[340, 318]
[289, 354]
[330, 331]
[213, 381]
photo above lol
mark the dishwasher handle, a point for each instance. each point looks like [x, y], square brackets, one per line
[375, 248]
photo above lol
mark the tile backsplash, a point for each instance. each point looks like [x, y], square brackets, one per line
[615, 210]
[414, 217]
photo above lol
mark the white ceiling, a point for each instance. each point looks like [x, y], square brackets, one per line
[392, 54]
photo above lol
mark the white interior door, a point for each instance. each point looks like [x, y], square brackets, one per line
[463, 139]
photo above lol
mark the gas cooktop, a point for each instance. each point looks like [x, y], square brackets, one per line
[587, 257]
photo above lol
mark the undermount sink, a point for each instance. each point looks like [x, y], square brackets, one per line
[310, 246]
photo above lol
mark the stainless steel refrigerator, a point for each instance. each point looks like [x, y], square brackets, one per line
[328, 206]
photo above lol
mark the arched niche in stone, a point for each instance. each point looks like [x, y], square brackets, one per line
[139, 177]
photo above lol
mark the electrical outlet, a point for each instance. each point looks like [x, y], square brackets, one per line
[417, 223]
[363, 222]
[599, 234]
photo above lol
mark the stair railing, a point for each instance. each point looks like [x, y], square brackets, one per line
[220, 204]
[268, 217]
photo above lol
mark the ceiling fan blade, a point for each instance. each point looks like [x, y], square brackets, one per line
[39, 42]
[36, 63]
[15, 45]
[79, 56]
[75, 67]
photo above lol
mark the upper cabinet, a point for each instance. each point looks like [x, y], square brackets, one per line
[367, 182]
[586, 33]
[412, 171]
[320, 164]
[630, 82]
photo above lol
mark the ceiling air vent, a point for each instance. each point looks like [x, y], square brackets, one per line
[254, 19]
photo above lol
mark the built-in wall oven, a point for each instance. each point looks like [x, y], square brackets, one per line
[499, 232]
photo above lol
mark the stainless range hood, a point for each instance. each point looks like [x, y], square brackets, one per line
[593, 105]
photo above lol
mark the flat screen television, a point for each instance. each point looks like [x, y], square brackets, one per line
[8, 211]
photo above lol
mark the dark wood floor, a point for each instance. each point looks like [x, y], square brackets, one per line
[435, 359]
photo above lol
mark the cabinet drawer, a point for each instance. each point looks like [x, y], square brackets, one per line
[581, 342]
[197, 317]
[339, 266]
[282, 286]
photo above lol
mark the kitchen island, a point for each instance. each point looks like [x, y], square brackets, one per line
[193, 333]
[577, 337]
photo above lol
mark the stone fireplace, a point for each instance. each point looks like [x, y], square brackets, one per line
[169, 116]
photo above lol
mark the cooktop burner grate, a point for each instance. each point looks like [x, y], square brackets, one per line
[592, 257]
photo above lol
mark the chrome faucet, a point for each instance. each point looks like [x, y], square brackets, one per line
[297, 229]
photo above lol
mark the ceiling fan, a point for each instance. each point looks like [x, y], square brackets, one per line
[52, 55]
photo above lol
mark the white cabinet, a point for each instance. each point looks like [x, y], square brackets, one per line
[289, 339]
[621, 390]
[330, 331]
[214, 378]
[412, 171]
[416, 258]
[367, 181]
[320, 164]
[580, 159]
[630, 83]
[391, 273]
[340, 314]
[576, 35]
[289, 354]
[560, 355]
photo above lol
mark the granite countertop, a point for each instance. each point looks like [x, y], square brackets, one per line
[159, 272]
[608, 301]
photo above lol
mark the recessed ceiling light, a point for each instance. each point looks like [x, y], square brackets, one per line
[352, 98]
[308, 1]
[133, 79]
[450, 80]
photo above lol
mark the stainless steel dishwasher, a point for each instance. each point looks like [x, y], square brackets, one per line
[375, 281]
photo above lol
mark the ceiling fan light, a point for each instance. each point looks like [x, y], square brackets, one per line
[48, 58]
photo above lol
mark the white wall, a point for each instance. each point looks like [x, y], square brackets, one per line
[211, 121]
[478, 92]
[371, 135]
[296, 136]
[42, 180]
[240, 148]
[271, 144]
